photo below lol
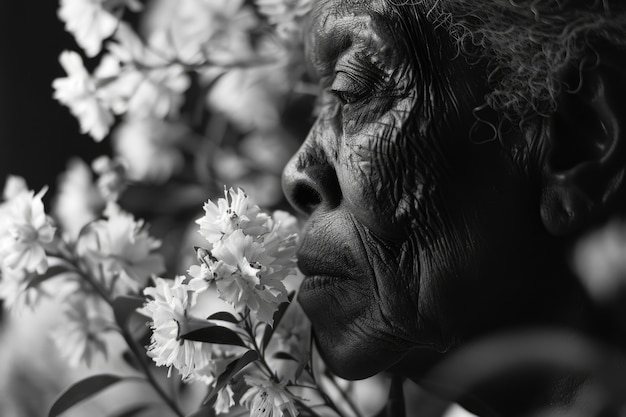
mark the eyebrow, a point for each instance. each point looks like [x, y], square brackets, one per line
[336, 38]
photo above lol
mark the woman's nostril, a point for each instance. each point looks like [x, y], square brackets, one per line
[306, 198]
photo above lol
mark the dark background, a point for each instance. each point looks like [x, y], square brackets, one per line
[37, 134]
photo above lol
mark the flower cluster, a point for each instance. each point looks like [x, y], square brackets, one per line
[168, 81]
[191, 94]
[25, 229]
[83, 262]
[247, 257]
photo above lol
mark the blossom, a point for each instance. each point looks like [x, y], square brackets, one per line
[14, 186]
[256, 281]
[16, 291]
[148, 84]
[149, 146]
[267, 398]
[194, 31]
[168, 307]
[224, 400]
[92, 21]
[251, 97]
[233, 212]
[24, 230]
[80, 92]
[208, 271]
[78, 201]
[150, 92]
[286, 14]
[79, 338]
[125, 250]
[111, 176]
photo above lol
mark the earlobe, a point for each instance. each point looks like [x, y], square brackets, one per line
[583, 173]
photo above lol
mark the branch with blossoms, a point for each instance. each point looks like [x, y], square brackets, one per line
[253, 354]
[163, 88]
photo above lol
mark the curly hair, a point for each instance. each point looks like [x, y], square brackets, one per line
[528, 44]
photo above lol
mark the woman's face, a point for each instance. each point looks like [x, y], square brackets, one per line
[410, 219]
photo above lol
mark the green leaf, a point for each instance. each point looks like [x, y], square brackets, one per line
[224, 316]
[52, 272]
[278, 316]
[204, 331]
[231, 370]
[80, 391]
[132, 412]
[124, 307]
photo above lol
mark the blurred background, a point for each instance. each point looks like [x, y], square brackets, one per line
[232, 115]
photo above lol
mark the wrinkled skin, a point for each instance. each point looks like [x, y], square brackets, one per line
[421, 233]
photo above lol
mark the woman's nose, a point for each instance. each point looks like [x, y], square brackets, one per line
[309, 183]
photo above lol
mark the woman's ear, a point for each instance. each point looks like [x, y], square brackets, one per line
[583, 172]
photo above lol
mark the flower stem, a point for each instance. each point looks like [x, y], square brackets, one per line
[129, 340]
[142, 363]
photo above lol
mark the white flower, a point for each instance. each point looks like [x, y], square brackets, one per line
[194, 31]
[286, 14]
[80, 337]
[168, 307]
[251, 97]
[125, 250]
[207, 272]
[256, 282]
[78, 201]
[92, 21]
[233, 212]
[149, 146]
[154, 92]
[14, 186]
[267, 398]
[80, 92]
[111, 176]
[24, 231]
[16, 291]
[224, 400]
[148, 84]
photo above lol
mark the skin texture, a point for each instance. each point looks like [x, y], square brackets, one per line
[422, 233]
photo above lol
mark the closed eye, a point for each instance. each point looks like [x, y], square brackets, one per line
[349, 88]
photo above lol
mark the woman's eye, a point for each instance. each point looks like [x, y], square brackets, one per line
[345, 97]
[348, 88]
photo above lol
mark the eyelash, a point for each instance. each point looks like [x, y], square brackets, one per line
[349, 89]
[346, 97]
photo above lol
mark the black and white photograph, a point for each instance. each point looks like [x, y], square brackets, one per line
[313, 208]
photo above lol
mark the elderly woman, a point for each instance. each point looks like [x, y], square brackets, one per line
[460, 148]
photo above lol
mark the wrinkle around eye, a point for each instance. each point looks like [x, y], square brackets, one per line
[349, 88]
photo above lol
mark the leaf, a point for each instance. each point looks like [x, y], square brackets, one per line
[131, 412]
[208, 332]
[285, 356]
[50, 273]
[224, 316]
[124, 307]
[131, 360]
[231, 370]
[80, 391]
[203, 412]
[278, 316]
